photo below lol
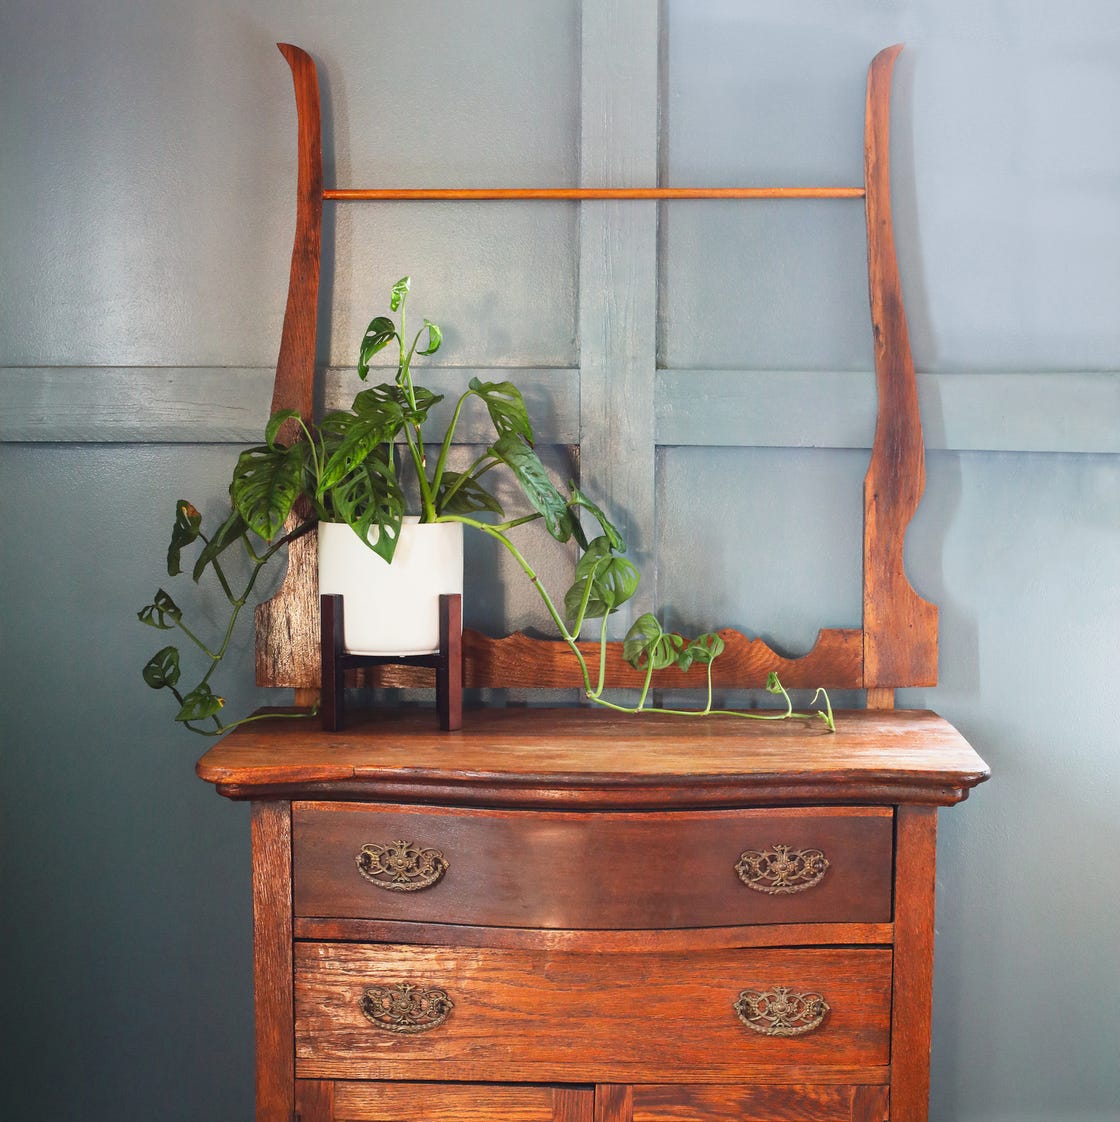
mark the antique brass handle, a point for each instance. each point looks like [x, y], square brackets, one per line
[781, 870]
[405, 1008]
[781, 1011]
[401, 866]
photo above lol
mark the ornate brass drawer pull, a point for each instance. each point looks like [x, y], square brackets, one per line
[401, 866]
[405, 1008]
[781, 1011]
[780, 870]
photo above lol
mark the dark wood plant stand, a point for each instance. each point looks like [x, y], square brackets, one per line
[336, 660]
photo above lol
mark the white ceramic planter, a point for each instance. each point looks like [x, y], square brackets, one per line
[392, 609]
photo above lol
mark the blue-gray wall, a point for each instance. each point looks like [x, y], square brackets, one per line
[146, 184]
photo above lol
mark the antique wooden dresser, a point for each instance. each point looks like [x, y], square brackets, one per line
[564, 915]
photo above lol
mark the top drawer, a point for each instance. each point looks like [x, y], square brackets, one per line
[569, 870]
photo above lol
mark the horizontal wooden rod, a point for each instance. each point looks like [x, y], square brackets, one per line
[346, 194]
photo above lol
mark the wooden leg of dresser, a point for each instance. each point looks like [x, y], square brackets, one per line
[272, 960]
[314, 1100]
[915, 880]
[614, 1102]
[869, 1104]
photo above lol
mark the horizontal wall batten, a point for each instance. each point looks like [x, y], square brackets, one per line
[1014, 412]
[230, 405]
[974, 412]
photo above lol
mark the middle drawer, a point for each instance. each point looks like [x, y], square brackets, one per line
[572, 870]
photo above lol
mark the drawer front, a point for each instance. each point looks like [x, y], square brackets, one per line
[410, 1012]
[463, 1102]
[558, 870]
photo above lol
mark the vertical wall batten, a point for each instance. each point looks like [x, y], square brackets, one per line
[618, 272]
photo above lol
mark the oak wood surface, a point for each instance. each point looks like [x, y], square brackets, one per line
[542, 869]
[418, 194]
[519, 1015]
[272, 960]
[718, 1102]
[546, 939]
[315, 1101]
[900, 628]
[580, 757]
[450, 1102]
[521, 661]
[614, 1103]
[915, 879]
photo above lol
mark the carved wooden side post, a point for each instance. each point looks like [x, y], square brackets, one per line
[900, 628]
[287, 626]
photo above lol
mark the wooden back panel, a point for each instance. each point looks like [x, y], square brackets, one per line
[897, 643]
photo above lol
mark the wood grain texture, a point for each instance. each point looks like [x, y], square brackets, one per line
[447, 1102]
[317, 929]
[315, 1101]
[870, 1104]
[579, 758]
[521, 661]
[657, 1017]
[701, 1102]
[272, 960]
[613, 1103]
[900, 628]
[420, 194]
[287, 626]
[566, 870]
[915, 884]
[295, 368]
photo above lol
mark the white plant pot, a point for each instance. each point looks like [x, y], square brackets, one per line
[392, 609]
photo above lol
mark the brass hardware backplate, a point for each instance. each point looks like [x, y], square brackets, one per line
[781, 870]
[401, 866]
[781, 1011]
[405, 1008]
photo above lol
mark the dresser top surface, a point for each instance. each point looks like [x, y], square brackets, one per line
[526, 756]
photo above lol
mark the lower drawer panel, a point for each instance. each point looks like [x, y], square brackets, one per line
[413, 1012]
[467, 1102]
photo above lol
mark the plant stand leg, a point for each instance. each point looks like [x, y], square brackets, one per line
[449, 669]
[332, 701]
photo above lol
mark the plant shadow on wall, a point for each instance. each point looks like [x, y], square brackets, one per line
[354, 467]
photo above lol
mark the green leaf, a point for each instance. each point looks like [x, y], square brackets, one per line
[703, 650]
[371, 496]
[266, 483]
[162, 669]
[506, 407]
[579, 499]
[399, 293]
[362, 434]
[772, 683]
[231, 531]
[613, 581]
[275, 423]
[188, 525]
[648, 643]
[157, 613]
[379, 334]
[467, 497]
[392, 402]
[535, 483]
[199, 704]
[435, 338]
